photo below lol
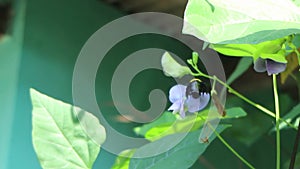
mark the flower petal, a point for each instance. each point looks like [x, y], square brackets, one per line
[177, 92]
[182, 111]
[175, 106]
[274, 67]
[204, 99]
[194, 105]
[260, 65]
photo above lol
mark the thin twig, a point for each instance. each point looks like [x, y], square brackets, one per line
[293, 158]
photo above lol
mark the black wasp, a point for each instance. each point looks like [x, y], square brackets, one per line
[195, 88]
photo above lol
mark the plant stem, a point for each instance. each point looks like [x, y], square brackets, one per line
[293, 158]
[230, 148]
[277, 117]
[231, 90]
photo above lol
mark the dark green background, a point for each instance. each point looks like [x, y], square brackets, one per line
[46, 38]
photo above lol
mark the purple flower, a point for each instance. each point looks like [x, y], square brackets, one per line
[187, 98]
[271, 66]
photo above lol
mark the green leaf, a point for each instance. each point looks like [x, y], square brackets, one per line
[167, 118]
[293, 115]
[190, 62]
[242, 66]
[64, 136]
[235, 49]
[189, 123]
[172, 68]
[236, 22]
[205, 45]
[162, 127]
[235, 112]
[265, 50]
[183, 155]
[297, 2]
[123, 160]
[296, 40]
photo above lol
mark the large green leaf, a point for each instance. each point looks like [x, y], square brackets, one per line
[236, 21]
[64, 136]
[181, 156]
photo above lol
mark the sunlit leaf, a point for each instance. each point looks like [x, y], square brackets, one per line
[189, 123]
[64, 136]
[183, 155]
[123, 159]
[235, 21]
[265, 50]
[235, 49]
[172, 68]
[167, 118]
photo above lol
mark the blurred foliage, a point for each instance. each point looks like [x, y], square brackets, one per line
[292, 64]
[256, 124]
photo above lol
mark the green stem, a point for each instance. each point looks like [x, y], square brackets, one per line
[277, 117]
[231, 90]
[230, 148]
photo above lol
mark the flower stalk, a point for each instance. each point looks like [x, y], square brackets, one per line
[277, 117]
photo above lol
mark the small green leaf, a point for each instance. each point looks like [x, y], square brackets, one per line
[235, 112]
[241, 22]
[183, 155]
[294, 114]
[123, 159]
[242, 66]
[172, 68]
[64, 136]
[190, 62]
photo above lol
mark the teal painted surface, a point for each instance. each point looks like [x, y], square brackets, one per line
[55, 32]
[10, 55]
